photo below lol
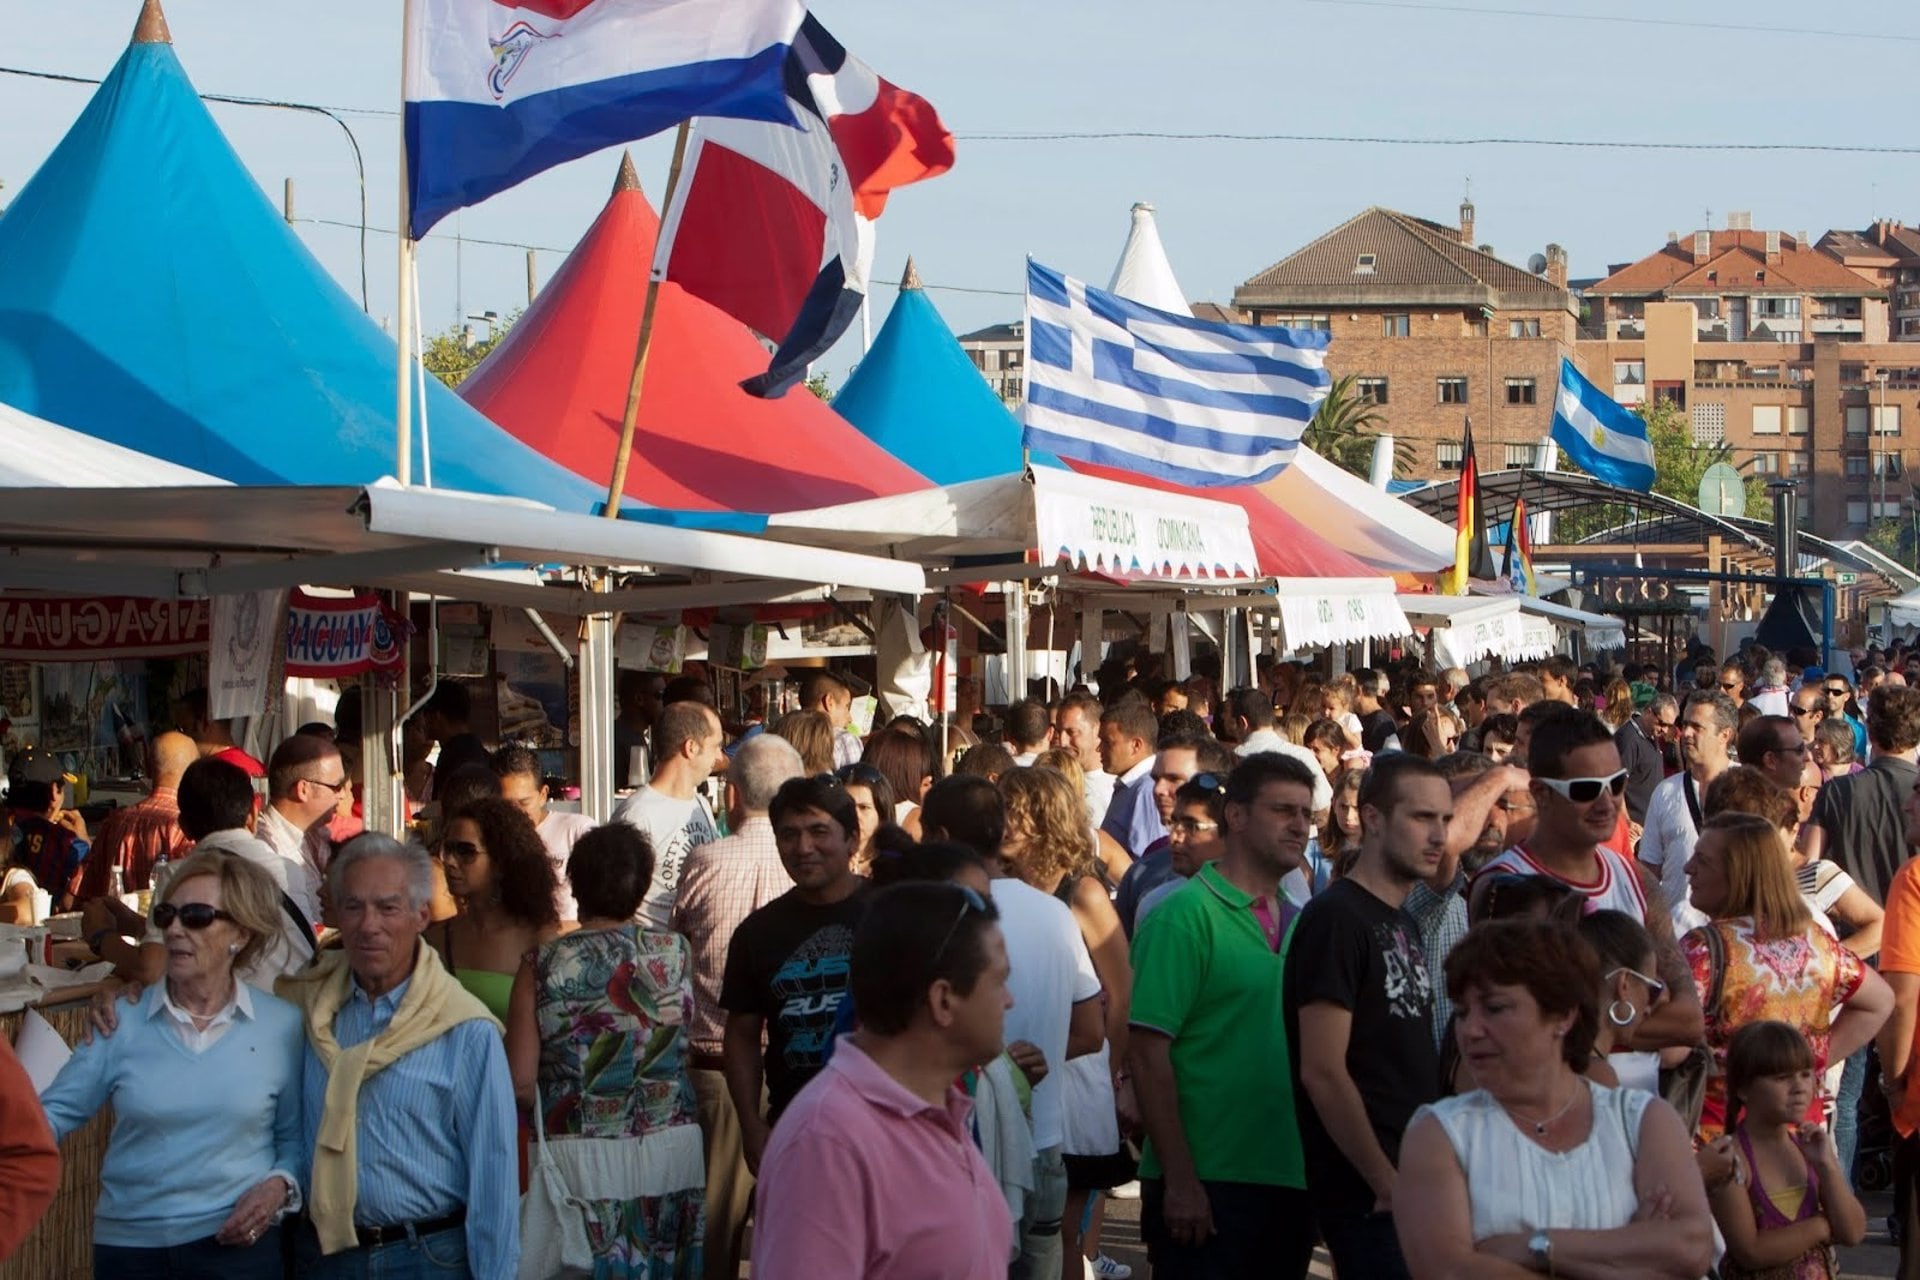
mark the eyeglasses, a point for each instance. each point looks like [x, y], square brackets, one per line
[1655, 987]
[1586, 790]
[335, 787]
[464, 850]
[193, 915]
[970, 900]
[1191, 826]
[1796, 749]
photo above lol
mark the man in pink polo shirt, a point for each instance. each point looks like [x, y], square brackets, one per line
[872, 1170]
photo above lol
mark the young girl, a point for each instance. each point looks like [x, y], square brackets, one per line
[1340, 838]
[1788, 1203]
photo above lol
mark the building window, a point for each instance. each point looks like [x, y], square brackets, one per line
[1363, 266]
[1785, 335]
[1886, 420]
[1629, 373]
[1856, 512]
[1796, 420]
[1372, 390]
[1798, 464]
[1856, 419]
[1521, 455]
[1452, 390]
[1888, 466]
[1015, 389]
[1709, 424]
[1886, 509]
[1766, 419]
[1772, 308]
[1318, 321]
[1520, 391]
[1674, 393]
[1856, 466]
[1523, 328]
[1447, 455]
[1766, 464]
[1395, 325]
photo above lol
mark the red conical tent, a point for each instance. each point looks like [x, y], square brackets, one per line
[558, 382]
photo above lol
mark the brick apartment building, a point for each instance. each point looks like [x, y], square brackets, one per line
[998, 352]
[1779, 348]
[1434, 329]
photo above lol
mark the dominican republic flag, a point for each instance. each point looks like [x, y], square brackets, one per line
[773, 225]
[1472, 558]
[499, 90]
[1518, 568]
[1606, 440]
[1120, 384]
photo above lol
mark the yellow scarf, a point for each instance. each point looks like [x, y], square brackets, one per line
[434, 1004]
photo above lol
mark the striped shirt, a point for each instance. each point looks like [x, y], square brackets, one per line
[722, 883]
[1616, 888]
[435, 1133]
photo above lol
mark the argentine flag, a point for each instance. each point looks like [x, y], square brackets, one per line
[1606, 440]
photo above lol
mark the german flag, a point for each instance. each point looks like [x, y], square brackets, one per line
[1472, 558]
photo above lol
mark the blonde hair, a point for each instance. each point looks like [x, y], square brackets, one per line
[1760, 884]
[1293, 726]
[247, 893]
[1066, 762]
[1054, 814]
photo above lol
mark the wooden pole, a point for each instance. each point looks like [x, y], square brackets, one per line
[631, 417]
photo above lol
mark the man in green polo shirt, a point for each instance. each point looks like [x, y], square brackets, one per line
[1223, 1183]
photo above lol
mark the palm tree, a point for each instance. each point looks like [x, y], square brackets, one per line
[1345, 426]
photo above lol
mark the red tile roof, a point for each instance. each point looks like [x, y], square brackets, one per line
[1734, 262]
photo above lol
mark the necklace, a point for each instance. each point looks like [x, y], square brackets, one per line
[1540, 1127]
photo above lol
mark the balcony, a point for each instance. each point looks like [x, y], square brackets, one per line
[1836, 324]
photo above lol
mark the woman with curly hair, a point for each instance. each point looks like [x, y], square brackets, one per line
[1048, 846]
[497, 870]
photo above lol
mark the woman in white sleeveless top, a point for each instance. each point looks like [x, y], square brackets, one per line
[1541, 1170]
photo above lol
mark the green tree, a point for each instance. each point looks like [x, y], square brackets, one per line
[819, 386]
[451, 354]
[1678, 464]
[1894, 538]
[1344, 427]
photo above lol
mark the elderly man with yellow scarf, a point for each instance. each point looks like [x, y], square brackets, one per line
[409, 1104]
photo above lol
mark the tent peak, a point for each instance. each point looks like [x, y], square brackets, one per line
[151, 28]
[627, 179]
[910, 278]
[1140, 207]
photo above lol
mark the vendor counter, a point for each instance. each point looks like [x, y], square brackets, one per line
[61, 1246]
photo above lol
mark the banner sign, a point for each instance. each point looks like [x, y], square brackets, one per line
[102, 628]
[240, 665]
[329, 636]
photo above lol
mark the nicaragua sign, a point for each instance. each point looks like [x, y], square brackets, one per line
[101, 628]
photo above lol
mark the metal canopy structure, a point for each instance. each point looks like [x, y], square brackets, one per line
[1565, 490]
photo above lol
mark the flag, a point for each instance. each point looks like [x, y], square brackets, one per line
[1119, 384]
[1606, 440]
[499, 90]
[1518, 568]
[771, 224]
[1471, 556]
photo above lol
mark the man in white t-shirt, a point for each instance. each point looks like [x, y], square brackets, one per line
[1056, 998]
[687, 742]
[524, 783]
[1250, 716]
[1076, 727]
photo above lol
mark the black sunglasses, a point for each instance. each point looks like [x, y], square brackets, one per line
[1808, 711]
[465, 850]
[194, 915]
[859, 774]
[1841, 692]
[970, 900]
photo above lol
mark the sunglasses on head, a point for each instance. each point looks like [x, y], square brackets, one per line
[970, 900]
[864, 775]
[1586, 790]
[1208, 781]
[192, 915]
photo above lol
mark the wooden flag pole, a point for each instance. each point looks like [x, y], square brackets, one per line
[631, 417]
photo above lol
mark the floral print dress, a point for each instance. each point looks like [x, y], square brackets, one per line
[613, 1006]
[1799, 980]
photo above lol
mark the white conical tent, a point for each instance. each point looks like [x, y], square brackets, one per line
[42, 454]
[1143, 272]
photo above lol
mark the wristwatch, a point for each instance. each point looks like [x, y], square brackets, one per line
[1540, 1249]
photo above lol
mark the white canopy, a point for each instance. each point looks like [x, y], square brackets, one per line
[1143, 272]
[1315, 612]
[1597, 630]
[1465, 629]
[39, 452]
[1367, 523]
[1903, 610]
[1070, 522]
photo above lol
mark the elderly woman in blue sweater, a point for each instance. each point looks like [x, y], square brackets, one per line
[204, 1077]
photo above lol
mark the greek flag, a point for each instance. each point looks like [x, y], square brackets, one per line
[1118, 384]
[1606, 440]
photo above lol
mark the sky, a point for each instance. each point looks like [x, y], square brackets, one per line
[1601, 70]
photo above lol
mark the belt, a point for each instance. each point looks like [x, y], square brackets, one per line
[374, 1237]
[706, 1061]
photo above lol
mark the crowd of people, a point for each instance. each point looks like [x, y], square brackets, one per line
[1553, 971]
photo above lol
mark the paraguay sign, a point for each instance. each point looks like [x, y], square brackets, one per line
[351, 635]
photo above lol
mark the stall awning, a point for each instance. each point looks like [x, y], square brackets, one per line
[1059, 518]
[1315, 613]
[1597, 630]
[1465, 629]
[1904, 610]
[1365, 522]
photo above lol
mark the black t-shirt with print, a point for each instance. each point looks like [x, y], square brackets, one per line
[788, 962]
[1376, 727]
[1353, 950]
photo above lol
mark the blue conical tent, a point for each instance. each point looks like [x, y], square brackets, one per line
[916, 395]
[151, 296]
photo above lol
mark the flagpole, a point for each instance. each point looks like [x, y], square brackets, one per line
[403, 316]
[630, 418]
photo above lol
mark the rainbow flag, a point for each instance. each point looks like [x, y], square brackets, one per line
[1519, 558]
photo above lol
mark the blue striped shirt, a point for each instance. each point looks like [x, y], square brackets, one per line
[436, 1133]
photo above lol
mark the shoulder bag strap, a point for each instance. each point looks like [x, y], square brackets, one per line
[1693, 801]
[1716, 967]
[299, 917]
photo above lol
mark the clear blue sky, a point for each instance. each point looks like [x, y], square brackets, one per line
[1226, 209]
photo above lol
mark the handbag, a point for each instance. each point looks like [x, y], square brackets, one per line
[553, 1221]
[1685, 1086]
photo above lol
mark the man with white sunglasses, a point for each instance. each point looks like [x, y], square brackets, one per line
[1579, 784]
[1705, 733]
